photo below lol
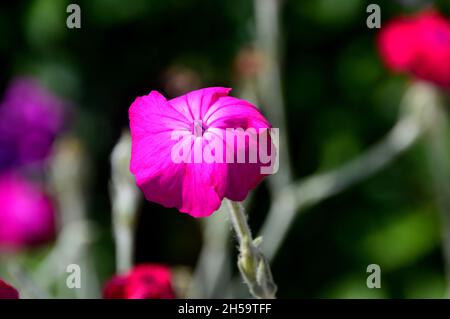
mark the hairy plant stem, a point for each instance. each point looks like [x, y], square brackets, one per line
[252, 264]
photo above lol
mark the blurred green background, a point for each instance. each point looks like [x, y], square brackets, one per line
[340, 99]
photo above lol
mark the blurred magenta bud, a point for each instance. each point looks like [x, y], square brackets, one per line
[7, 291]
[27, 217]
[30, 118]
[145, 281]
[418, 45]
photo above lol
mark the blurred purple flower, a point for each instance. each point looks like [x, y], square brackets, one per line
[26, 213]
[30, 119]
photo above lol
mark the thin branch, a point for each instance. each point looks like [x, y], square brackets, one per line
[269, 89]
[294, 198]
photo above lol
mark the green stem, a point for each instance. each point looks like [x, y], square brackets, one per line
[252, 264]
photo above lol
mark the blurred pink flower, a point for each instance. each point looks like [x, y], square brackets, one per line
[145, 281]
[202, 119]
[26, 214]
[7, 291]
[419, 45]
[30, 118]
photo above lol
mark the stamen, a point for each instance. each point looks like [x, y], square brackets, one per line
[198, 128]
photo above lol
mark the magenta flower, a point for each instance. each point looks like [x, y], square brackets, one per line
[30, 119]
[26, 214]
[187, 154]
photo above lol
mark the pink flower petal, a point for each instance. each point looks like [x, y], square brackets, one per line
[203, 188]
[230, 112]
[152, 123]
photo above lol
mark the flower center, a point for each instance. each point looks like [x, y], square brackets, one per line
[198, 128]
